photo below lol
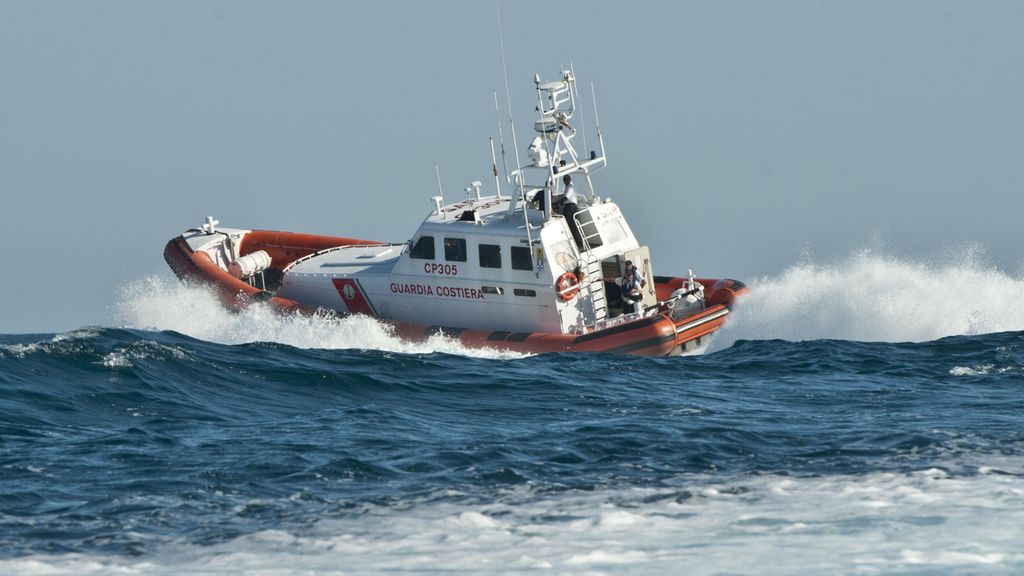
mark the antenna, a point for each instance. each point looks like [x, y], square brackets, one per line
[508, 102]
[438, 200]
[501, 139]
[552, 185]
[515, 144]
[494, 167]
[597, 122]
[582, 123]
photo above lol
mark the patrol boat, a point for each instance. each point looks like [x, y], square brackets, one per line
[503, 271]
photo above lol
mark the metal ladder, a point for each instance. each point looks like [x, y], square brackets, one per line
[591, 266]
[595, 286]
[588, 230]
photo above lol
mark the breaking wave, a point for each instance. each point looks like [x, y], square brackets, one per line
[867, 297]
[923, 522]
[870, 297]
[156, 303]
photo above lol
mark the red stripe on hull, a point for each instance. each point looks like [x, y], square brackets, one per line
[353, 297]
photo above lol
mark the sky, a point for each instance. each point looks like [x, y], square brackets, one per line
[741, 136]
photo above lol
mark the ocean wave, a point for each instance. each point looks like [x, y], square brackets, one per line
[871, 297]
[64, 343]
[155, 303]
[923, 520]
[131, 450]
[867, 297]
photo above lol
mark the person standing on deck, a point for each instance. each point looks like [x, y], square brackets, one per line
[570, 203]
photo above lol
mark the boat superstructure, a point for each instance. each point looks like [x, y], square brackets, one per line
[503, 270]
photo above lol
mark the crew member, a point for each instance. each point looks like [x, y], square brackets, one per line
[632, 286]
[570, 204]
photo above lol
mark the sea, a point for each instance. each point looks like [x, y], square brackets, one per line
[859, 417]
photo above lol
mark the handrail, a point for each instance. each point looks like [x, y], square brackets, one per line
[579, 226]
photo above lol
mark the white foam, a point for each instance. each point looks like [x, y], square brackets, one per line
[875, 523]
[603, 558]
[968, 371]
[982, 370]
[126, 356]
[117, 359]
[65, 342]
[155, 303]
[870, 297]
[474, 519]
[618, 518]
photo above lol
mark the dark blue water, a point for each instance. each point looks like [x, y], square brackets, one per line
[119, 445]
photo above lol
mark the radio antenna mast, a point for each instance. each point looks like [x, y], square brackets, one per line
[515, 144]
[501, 138]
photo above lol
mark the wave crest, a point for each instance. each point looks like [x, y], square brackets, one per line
[876, 298]
[155, 303]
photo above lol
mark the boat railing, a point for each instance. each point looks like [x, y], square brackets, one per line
[588, 229]
[659, 307]
[613, 321]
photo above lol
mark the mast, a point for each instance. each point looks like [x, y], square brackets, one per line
[521, 197]
[439, 199]
[494, 167]
[501, 140]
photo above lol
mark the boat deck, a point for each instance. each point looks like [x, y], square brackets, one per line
[347, 260]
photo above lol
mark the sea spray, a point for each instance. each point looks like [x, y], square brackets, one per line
[872, 297]
[156, 303]
[868, 297]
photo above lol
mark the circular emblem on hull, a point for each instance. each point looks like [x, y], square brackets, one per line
[350, 292]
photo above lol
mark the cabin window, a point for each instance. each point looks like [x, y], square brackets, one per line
[524, 292]
[455, 249]
[490, 256]
[521, 258]
[423, 249]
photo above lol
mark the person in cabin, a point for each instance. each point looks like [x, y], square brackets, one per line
[632, 286]
[570, 203]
